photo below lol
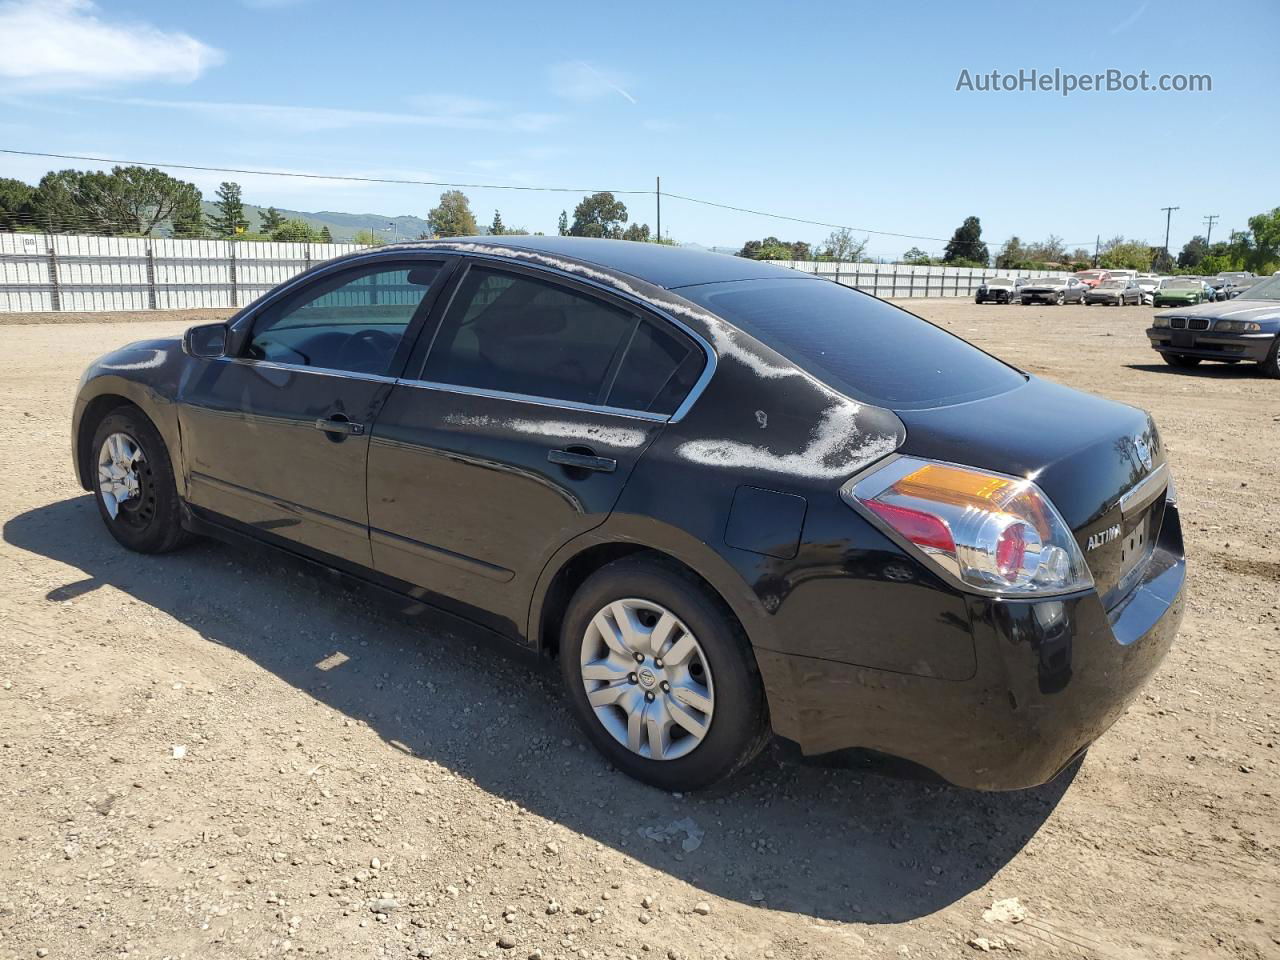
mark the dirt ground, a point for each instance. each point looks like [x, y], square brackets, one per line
[222, 753]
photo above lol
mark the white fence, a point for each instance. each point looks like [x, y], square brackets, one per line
[40, 272]
[891, 280]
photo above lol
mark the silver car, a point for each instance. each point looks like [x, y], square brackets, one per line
[1116, 293]
[1056, 290]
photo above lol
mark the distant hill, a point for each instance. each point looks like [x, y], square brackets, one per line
[343, 226]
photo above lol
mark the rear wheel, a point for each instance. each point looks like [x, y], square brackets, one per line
[660, 677]
[136, 494]
[1180, 360]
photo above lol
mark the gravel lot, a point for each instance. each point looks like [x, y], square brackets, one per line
[221, 753]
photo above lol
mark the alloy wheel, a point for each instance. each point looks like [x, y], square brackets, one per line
[647, 679]
[120, 461]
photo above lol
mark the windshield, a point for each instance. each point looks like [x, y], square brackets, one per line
[1111, 285]
[861, 346]
[1045, 281]
[1267, 289]
[1180, 285]
[1000, 282]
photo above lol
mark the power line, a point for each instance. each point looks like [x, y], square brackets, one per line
[317, 176]
[493, 186]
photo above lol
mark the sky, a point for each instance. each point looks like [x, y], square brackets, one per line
[846, 113]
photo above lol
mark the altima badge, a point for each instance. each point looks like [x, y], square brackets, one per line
[1104, 536]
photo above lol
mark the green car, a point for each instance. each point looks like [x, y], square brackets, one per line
[1180, 293]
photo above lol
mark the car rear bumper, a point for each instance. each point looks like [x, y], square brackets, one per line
[1053, 676]
[1211, 346]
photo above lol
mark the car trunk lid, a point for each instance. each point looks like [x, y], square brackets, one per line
[1101, 463]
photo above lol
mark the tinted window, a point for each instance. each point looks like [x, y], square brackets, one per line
[862, 346]
[517, 334]
[658, 370]
[350, 321]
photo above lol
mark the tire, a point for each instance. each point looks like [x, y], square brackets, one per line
[1180, 361]
[1026, 302]
[1271, 365]
[150, 520]
[1060, 299]
[738, 726]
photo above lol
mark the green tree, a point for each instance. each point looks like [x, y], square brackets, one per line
[563, 226]
[599, 215]
[1265, 252]
[230, 220]
[637, 231]
[1049, 250]
[128, 200]
[843, 246]
[325, 235]
[294, 231]
[771, 248]
[1193, 251]
[1127, 255]
[272, 220]
[367, 237]
[15, 204]
[1011, 255]
[453, 217]
[916, 257]
[496, 229]
[966, 244]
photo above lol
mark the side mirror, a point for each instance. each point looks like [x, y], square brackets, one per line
[208, 341]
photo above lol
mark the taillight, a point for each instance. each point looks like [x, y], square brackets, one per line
[992, 532]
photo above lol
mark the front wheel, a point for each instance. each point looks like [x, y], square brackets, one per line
[1180, 361]
[1271, 365]
[1060, 299]
[660, 677]
[136, 494]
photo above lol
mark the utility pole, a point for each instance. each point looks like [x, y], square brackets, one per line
[658, 193]
[1168, 219]
[1097, 247]
[1209, 219]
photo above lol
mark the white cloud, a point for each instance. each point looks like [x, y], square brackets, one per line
[579, 80]
[64, 44]
[291, 119]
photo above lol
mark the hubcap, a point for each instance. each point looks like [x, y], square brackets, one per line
[119, 480]
[647, 679]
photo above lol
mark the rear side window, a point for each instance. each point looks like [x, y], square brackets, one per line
[862, 346]
[513, 333]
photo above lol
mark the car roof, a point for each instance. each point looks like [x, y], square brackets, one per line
[661, 265]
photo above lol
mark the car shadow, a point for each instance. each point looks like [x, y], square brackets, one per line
[1211, 369]
[842, 844]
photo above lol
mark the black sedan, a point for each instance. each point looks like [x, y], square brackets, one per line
[730, 498]
[1246, 327]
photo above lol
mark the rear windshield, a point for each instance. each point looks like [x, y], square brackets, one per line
[861, 346]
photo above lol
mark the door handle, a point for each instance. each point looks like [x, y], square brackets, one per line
[343, 426]
[582, 461]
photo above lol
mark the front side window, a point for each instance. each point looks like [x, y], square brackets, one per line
[352, 321]
[516, 334]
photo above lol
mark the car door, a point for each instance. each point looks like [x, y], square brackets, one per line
[519, 419]
[276, 434]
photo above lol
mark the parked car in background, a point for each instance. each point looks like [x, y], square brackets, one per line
[1244, 328]
[1056, 290]
[1117, 292]
[912, 547]
[1092, 277]
[998, 290]
[1223, 287]
[1241, 287]
[1179, 291]
[1149, 284]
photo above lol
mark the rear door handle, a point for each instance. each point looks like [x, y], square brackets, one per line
[583, 461]
[340, 426]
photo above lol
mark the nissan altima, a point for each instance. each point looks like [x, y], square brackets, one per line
[733, 500]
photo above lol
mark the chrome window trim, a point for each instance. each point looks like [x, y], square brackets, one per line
[302, 368]
[708, 369]
[536, 400]
[647, 308]
[1138, 497]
